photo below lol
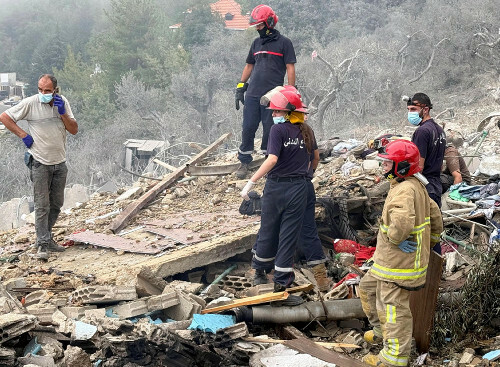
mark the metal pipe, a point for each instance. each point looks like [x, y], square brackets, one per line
[483, 136]
[342, 309]
[219, 278]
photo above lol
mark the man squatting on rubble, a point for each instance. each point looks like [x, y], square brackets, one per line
[455, 170]
[49, 116]
[410, 224]
[271, 55]
[291, 151]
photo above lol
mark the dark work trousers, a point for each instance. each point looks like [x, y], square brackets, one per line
[437, 200]
[49, 182]
[310, 247]
[253, 114]
[283, 206]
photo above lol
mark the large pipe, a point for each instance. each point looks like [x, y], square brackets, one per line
[343, 309]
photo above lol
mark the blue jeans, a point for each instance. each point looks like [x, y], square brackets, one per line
[48, 193]
[253, 114]
[283, 206]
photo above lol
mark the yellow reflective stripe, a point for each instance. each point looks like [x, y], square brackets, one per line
[390, 314]
[417, 229]
[393, 347]
[418, 253]
[389, 273]
[435, 237]
[392, 359]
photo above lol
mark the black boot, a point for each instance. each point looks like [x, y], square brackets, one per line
[290, 301]
[260, 277]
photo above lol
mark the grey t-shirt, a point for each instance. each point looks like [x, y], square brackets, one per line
[46, 128]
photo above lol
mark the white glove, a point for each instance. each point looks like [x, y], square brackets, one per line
[246, 189]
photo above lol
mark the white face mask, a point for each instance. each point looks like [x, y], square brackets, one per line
[45, 98]
[279, 119]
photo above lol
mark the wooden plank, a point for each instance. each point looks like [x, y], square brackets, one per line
[423, 303]
[163, 164]
[300, 288]
[282, 341]
[133, 208]
[224, 169]
[255, 300]
[304, 345]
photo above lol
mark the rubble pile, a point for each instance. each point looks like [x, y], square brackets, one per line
[174, 287]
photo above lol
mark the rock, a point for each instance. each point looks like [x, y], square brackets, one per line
[76, 357]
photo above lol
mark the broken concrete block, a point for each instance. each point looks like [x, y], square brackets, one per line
[75, 312]
[50, 347]
[14, 283]
[9, 304]
[131, 309]
[130, 194]
[43, 312]
[76, 357]
[83, 331]
[180, 285]
[148, 284]
[12, 212]
[75, 195]
[163, 301]
[453, 261]
[7, 357]
[13, 325]
[280, 355]
[467, 357]
[184, 309]
[102, 294]
[96, 313]
[346, 259]
[36, 297]
[40, 361]
[64, 324]
[352, 338]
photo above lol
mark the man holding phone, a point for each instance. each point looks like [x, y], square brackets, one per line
[49, 116]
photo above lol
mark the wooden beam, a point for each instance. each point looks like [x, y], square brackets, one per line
[163, 164]
[255, 300]
[282, 341]
[423, 303]
[133, 208]
[307, 346]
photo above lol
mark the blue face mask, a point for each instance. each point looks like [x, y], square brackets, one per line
[414, 118]
[45, 98]
[279, 119]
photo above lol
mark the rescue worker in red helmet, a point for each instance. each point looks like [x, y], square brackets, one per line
[271, 56]
[411, 224]
[291, 144]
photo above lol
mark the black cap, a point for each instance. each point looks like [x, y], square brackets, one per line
[420, 99]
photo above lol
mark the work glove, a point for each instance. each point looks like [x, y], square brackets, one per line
[28, 141]
[241, 88]
[408, 246]
[246, 189]
[59, 103]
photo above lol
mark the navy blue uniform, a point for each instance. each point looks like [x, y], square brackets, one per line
[430, 139]
[283, 203]
[269, 57]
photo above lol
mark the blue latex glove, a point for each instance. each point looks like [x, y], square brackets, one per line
[59, 103]
[28, 141]
[408, 246]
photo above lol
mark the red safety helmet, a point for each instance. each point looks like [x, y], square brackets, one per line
[263, 14]
[405, 156]
[287, 100]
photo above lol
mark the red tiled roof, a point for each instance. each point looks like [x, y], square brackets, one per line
[224, 7]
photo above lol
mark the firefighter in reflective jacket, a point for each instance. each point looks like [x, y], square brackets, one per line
[410, 225]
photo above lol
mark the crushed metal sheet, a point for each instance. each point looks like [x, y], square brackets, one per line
[118, 243]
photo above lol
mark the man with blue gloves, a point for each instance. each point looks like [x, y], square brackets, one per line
[410, 224]
[49, 116]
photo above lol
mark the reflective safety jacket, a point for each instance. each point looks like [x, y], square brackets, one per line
[408, 214]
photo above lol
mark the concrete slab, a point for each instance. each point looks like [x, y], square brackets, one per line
[162, 301]
[103, 294]
[74, 195]
[43, 312]
[12, 325]
[131, 194]
[131, 309]
[12, 212]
